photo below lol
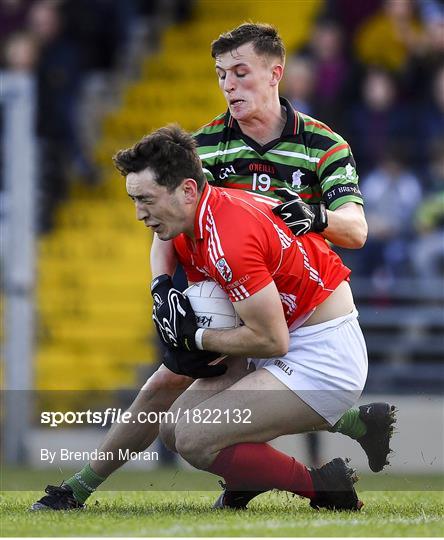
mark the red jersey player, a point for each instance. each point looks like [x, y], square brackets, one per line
[299, 360]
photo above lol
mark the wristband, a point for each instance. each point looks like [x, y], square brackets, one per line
[321, 219]
[198, 336]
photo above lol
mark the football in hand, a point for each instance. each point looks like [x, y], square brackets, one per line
[213, 308]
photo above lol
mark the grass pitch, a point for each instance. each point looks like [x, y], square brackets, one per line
[188, 513]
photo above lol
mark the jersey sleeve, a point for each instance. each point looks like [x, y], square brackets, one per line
[338, 178]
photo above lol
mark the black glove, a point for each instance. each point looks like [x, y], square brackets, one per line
[300, 217]
[193, 364]
[173, 315]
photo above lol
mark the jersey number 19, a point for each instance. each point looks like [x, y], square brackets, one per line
[261, 182]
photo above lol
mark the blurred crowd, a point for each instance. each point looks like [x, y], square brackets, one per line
[71, 46]
[374, 72]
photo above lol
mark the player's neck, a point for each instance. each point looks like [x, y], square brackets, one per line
[266, 126]
[189, 226]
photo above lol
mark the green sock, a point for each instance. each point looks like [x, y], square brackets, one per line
[83, 483]
[350, 424]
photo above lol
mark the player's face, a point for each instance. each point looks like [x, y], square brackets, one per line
[167, 213]
[248, 81]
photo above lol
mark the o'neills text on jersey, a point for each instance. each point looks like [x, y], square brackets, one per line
[261, 167]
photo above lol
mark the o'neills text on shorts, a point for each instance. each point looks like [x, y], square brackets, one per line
[282, 365]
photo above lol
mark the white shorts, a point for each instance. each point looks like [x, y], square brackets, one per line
[326, 365]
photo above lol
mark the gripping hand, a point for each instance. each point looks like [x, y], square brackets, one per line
[173, 315]
[299, 216]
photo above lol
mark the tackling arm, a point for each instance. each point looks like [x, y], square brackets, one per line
[264, 334]
[347, 226]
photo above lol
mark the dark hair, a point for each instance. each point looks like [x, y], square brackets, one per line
[171, 154]
[264, 37]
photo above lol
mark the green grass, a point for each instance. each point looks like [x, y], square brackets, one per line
[188, 513]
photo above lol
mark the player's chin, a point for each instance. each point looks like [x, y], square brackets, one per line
[239, 112]
[166, 235]
[159, 231]
[239, 116]
[163, 235]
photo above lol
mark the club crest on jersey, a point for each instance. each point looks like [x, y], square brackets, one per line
[224, 270]
[296, 178]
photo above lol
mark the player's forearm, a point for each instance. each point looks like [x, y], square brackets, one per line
[163, 257]
[347, 226]
[243, 341]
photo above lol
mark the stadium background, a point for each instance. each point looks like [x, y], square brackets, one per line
[77, 325]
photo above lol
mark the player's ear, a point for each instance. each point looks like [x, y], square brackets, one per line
[189, 186]
[276, 74]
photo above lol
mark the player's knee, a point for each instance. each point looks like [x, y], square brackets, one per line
[192, 447]
[190, 450]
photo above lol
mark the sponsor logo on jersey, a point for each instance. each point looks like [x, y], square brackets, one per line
[262, 167]
[285, 368]
[224, 269]
[296, 178]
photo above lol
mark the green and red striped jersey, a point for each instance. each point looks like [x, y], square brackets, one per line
[308, 157]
